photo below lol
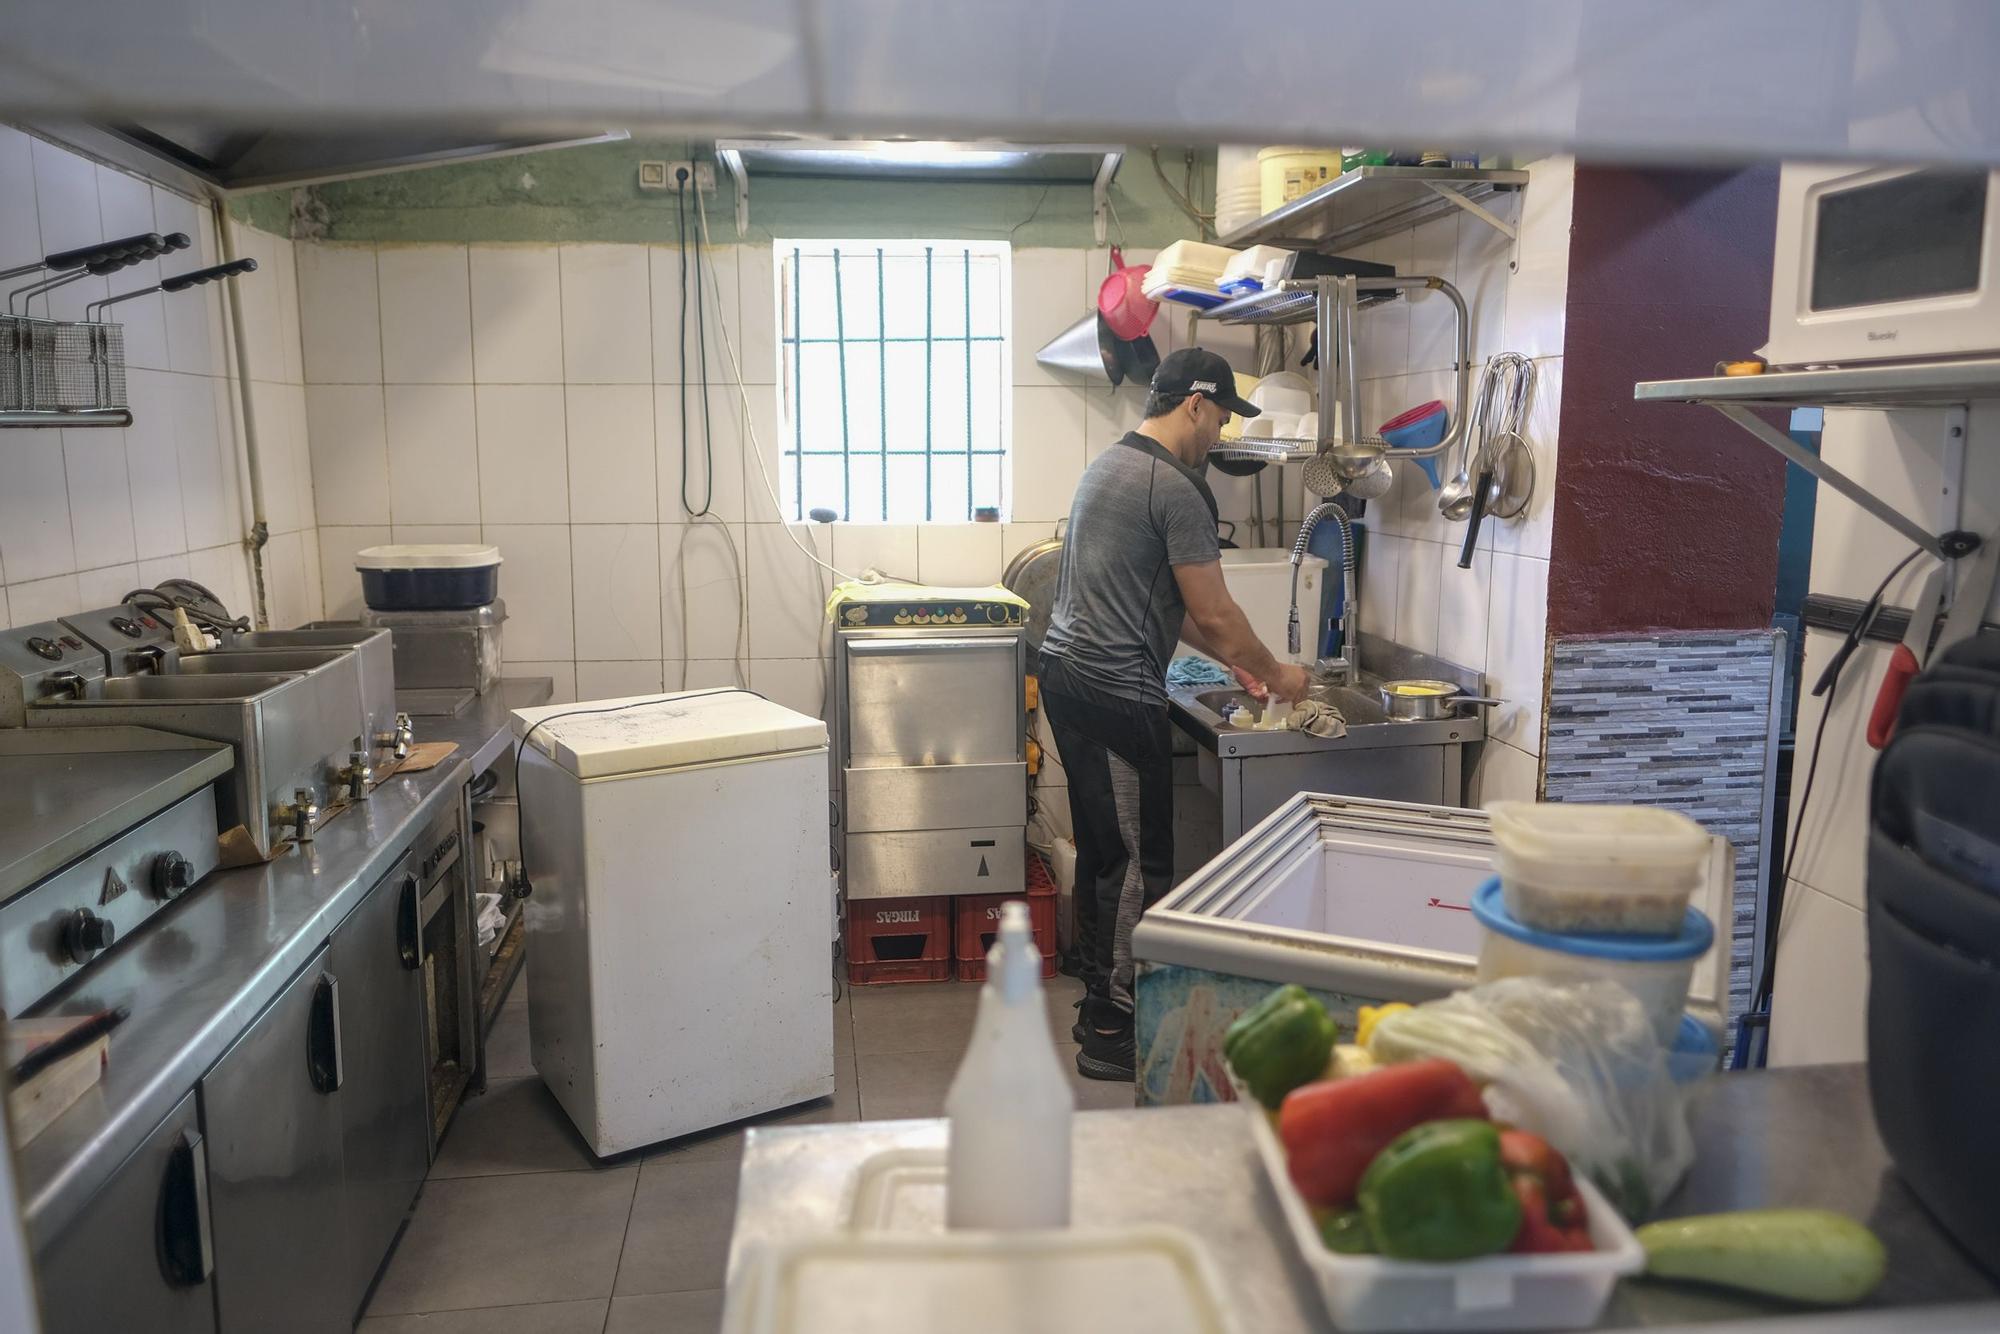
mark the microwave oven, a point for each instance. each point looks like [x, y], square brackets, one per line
[1884, 264]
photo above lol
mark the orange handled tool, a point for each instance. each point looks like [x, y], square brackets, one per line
[1907, 660]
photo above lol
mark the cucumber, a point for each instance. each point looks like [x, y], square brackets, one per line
[1805, 1255]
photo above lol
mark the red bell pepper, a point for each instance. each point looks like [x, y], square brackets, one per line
[1333, 1129]
[1553, 1216]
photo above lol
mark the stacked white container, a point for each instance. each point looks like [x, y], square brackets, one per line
[1597, 892]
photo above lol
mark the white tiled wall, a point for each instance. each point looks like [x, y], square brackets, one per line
[1820, 1006]
[88, 514]
[530, 394]
[1494, 615]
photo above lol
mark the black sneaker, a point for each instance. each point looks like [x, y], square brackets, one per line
[1078, 1029]
[1107, 1055]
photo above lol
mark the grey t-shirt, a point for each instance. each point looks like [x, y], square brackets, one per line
[1138, 512]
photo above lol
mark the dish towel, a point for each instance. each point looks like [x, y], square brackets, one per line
[1317, 718]
[1188, 670]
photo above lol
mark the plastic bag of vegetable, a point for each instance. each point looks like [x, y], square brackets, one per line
[1575, 1062]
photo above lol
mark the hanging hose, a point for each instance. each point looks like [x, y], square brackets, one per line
[1339, 515]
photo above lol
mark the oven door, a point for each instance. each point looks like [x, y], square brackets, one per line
[1884, 264]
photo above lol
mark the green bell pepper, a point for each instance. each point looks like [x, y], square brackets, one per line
[1439, 1192]
[1279, 1043]
[1347, 1233]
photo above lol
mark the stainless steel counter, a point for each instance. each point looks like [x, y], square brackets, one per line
[207, 965]
[1790, 1137]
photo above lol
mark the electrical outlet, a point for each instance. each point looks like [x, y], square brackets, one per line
[670, 175]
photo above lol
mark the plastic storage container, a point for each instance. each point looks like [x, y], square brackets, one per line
[429, 576]
[1260, 580]
[1132, 1280]
[1656, 969]
[1626, 870]
[1287, 171]
[1368, 1292]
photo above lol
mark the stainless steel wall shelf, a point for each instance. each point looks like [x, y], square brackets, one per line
[1368, 203]
[1912, 384]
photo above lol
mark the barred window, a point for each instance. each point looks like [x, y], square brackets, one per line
[896, 378]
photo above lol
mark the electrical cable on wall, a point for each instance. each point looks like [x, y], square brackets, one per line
[749, 424]
[1757, 1014]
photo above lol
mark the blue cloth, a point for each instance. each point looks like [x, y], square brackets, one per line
[1189, 670]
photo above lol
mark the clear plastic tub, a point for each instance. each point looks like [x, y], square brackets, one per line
[1610, 870]
[1368, 1292]
[1656, 969]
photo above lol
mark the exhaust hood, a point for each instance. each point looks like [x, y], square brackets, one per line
[207, 157]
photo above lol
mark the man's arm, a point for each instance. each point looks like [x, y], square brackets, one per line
[1223, 631]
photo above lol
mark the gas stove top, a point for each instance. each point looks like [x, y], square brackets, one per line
[100, 828]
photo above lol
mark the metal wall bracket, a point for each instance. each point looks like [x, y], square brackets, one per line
[1100, 195]
[1451, 193]
[731, 161]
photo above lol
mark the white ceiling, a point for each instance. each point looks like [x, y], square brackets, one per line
[1679, 79]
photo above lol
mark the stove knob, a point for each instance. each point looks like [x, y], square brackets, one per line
[85, 933]
[173, 874]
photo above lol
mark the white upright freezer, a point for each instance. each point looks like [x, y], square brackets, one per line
[681, 915]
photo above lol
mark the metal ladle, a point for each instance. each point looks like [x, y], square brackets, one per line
[1518, 374]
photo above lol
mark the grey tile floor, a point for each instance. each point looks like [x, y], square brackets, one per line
[519, 1230]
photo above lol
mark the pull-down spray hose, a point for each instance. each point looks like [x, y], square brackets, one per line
[1348, 609]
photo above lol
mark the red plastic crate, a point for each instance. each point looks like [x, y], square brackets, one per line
[974, 970]
[976, 920]
[899, 940]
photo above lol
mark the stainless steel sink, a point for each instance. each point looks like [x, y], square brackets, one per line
[1252, 771]
[292, 734]
[376, 664]
[1361, 708]
[211, 689]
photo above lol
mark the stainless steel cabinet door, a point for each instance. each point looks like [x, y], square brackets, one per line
[933, 699]
[139, 1259]
[272, 1112]
[384, 1109]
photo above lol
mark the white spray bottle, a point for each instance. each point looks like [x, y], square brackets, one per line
[1010, 1103]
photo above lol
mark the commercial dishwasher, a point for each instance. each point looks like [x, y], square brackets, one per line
[929, 745]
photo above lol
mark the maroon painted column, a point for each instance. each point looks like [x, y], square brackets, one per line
[1666, 516]
[1663, 562]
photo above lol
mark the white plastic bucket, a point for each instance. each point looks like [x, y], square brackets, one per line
[1286, 171]
[1657, 970]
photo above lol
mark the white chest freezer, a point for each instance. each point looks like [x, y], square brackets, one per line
[1359, 901]
[680, 924]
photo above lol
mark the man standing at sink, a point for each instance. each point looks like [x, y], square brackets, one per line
[1141, 569]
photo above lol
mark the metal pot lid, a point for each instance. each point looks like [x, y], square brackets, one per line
[1032, 575]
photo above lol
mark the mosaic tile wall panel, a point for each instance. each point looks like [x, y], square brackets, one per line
[1680, 721]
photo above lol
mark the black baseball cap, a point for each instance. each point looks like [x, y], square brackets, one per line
[1196, 370]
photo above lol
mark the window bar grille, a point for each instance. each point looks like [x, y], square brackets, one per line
[882, 369]
[798, 391]
[968, 385]
[840, 333]
[927, 382]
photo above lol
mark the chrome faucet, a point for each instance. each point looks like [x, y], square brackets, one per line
[1347, 667]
